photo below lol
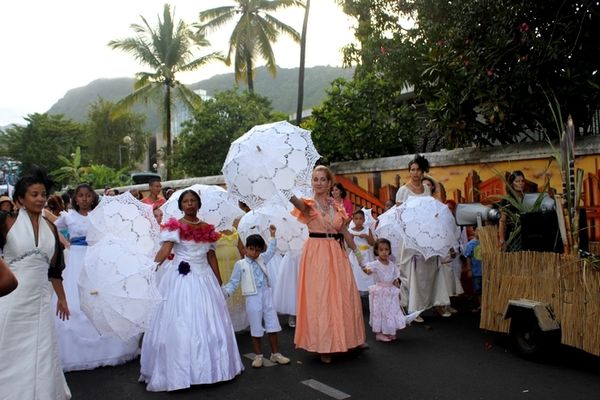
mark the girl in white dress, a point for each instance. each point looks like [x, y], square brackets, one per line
[386, 316]
[81, 346]
[364, 240]
[190, 340]
[29, 364]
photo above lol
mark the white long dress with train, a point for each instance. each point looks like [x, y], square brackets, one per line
[191, 339]
[29, 364]
[81, 346]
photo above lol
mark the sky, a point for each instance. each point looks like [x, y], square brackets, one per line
[50, 47]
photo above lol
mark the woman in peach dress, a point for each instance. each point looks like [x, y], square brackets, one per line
[329, 312]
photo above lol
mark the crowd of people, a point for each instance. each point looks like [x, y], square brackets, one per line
[213, 285]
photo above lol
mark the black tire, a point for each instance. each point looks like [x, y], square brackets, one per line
[529, 340]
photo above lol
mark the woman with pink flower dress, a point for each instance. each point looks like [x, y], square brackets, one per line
[190, 340]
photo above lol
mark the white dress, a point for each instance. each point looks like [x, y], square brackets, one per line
[191, 339]
[422, 284]
[29, 364]
[363, 281]
[385, 314]
[81, 346]
[284, 294]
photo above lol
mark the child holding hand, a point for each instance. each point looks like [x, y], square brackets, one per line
[386, 316]
[252, 273]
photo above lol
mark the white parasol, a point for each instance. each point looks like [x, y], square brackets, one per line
[269, 162]
[290, 233]
[427, 226]
[218, 208]
[389, 227]
[126, 218]
[117, 288]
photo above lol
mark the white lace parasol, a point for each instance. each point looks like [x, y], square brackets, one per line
[268, 162]
[219, 208]
[117, 288]
[388, 228]
[427, 226]
[290, 233]
[126, 218]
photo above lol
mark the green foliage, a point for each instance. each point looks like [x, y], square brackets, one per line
[115, 142]
[360, 120]
[71, 170]
[42, 141]
[254, 31]
[100, 176]
[203, 144]
[480, 68]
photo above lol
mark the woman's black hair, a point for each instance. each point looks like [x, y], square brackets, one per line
[35, 176]
[514, 175]
[80, 187]
[66, 198]
[421, 162]
[359, 212]
[341, 188]
[380, 241]
[256, 241]
[196, 195]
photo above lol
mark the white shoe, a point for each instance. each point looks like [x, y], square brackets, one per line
[292, 321]
[279, 359]
[258, 361]
[451, 309]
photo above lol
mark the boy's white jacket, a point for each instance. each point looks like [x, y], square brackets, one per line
[242, 273]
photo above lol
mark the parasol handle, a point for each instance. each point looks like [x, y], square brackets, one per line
[258, 148]
[94, 292]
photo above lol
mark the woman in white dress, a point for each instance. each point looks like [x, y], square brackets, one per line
[81, 346]
[29, 364]
[190, 340]
[422, 286]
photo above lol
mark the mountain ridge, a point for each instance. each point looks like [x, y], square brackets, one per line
[281, 90]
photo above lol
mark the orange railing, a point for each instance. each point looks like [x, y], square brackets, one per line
[359, 197]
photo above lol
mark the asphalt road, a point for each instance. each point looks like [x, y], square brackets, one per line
[445, 358]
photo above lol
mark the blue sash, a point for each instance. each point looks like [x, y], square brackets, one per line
[78, 241]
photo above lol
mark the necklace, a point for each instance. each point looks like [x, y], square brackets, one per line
[326, 210]
[191, 222]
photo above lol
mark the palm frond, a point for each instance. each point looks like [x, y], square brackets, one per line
[282, 27]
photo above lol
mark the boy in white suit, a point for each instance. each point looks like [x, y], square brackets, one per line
[253, 275]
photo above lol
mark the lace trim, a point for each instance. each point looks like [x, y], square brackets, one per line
[28, 254]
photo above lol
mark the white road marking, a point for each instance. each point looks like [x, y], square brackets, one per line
[326, 389]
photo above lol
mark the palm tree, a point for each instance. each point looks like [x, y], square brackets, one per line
[252, 35]
[300, 102]
[166, 49]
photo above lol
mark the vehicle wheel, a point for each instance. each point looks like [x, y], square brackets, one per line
[529, 340]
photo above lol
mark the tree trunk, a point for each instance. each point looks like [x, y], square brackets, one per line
[167, 128]
[249, 73]
[300, 103]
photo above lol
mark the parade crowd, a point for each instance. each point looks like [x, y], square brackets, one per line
[214, 284]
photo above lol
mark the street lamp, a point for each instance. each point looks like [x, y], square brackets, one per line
[127, 141]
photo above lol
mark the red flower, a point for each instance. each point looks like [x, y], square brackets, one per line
[170, 256]
[524, 27]
[489, 71]
[383, 50]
